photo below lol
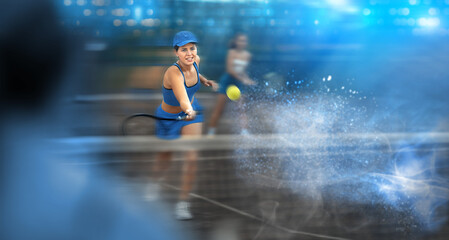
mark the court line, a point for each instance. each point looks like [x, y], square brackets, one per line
[240, 212]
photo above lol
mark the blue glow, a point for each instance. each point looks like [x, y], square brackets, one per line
[414, 185]
[342, 5]
[404, 11]
[210, 22]
[322, 161]
[337, 2]
[366, 11]
[428, 22]
[433, 11]
[138, 13]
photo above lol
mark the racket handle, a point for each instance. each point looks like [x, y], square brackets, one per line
[183, 117]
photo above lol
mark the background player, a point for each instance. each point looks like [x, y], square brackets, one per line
[237, 62]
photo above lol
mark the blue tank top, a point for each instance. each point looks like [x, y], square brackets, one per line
[169, 96]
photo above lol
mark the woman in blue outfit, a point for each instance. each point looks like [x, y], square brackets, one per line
[237, 61]
[181, 81]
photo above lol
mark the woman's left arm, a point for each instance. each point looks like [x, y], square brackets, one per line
[204, 80]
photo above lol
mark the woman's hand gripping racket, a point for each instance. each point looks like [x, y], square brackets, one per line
[144, 124]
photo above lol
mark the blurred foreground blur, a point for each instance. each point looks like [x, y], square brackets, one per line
[348, 122]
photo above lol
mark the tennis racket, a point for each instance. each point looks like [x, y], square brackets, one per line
[144, 124]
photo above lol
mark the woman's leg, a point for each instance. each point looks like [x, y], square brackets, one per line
[190, 163]
[218, 110]
[182, 210]
[163, 162]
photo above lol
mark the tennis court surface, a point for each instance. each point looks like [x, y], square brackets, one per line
[286, 186]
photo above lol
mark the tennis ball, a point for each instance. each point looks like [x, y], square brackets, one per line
[233, 92]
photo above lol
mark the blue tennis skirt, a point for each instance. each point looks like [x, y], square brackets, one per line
[170, 130]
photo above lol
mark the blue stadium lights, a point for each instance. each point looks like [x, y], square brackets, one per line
[98, 3]
[366, 11]
[81, 2]
[428, 22]
[404, 11]
[227, 1]
[131, 22]
[117, 22]
[87, 12]
[337, 2]
[337, 5]
[433, 11]
[101, 12]
[138, 13]
[116, 17]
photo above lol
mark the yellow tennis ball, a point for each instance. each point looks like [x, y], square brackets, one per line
[233, 92]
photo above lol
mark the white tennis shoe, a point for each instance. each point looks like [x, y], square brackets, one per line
[182, 211]
[152, 191]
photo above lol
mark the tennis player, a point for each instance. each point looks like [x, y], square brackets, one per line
[181, 81]
[237, 62]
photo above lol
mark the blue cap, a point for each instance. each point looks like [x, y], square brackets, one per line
[184, 37]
